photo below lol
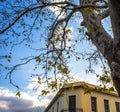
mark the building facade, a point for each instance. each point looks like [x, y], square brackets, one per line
[72, 98]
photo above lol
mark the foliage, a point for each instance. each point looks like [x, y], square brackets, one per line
[43, 28]
[18, 93]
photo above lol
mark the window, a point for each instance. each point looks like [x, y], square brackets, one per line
[72, 103]
[57, 106]
[53, 109]
[93, 104]
[117, 104]
[106, 106]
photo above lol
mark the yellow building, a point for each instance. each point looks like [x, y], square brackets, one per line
[72, 98]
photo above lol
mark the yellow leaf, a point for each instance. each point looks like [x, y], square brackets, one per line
[61, 93]
[59, 67]
[39, 80]
[72, 87]
[38, 59]
[44, 92]
[69, 39]
[64, 70]
[68, 31]
[111, 89]
[18, 93]
[50, 62]
[87, 91]
[48, 68]
[54, 34]
[102, 78]
[97, 9]
[53, 85]
[57, 39]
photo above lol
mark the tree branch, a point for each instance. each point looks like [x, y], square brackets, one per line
[31, 9]
[103, 15]
[102, 40]
[46, 5]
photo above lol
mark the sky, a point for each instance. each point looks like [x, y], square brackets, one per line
[29, 100]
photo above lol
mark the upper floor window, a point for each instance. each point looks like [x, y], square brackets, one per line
[106, 106]
[53, 109]
[93, 104]
[117, 104]
[72, 103]
[57, 106]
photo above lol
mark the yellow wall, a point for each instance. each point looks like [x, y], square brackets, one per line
[69, 93]
[54, 105]
[84, 100]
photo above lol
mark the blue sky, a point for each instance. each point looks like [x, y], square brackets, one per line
[29, 102]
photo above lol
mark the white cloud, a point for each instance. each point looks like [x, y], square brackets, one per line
[26, 103]
[4, 104]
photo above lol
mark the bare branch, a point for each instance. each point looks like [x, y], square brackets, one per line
[103, 15]
[46, 5]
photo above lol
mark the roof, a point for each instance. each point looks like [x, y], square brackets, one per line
[83, 85]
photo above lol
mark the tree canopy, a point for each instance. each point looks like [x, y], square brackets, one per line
[43, 26]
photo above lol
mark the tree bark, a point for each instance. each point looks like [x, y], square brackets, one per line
[115, 62]
[115, 19]
[107, 45]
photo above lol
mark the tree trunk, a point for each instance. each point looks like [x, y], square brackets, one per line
[108, 46]
[115, 62]
[115, 73]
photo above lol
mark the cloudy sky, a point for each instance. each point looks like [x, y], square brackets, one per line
[29, 100]
[26, 103]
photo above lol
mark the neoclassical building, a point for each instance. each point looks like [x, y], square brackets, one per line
[84, 97]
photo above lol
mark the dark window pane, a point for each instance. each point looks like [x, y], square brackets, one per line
[117, 104]
[93, 104]
[57, 106]
[72, 103]
[53, 109]
[106, 106]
